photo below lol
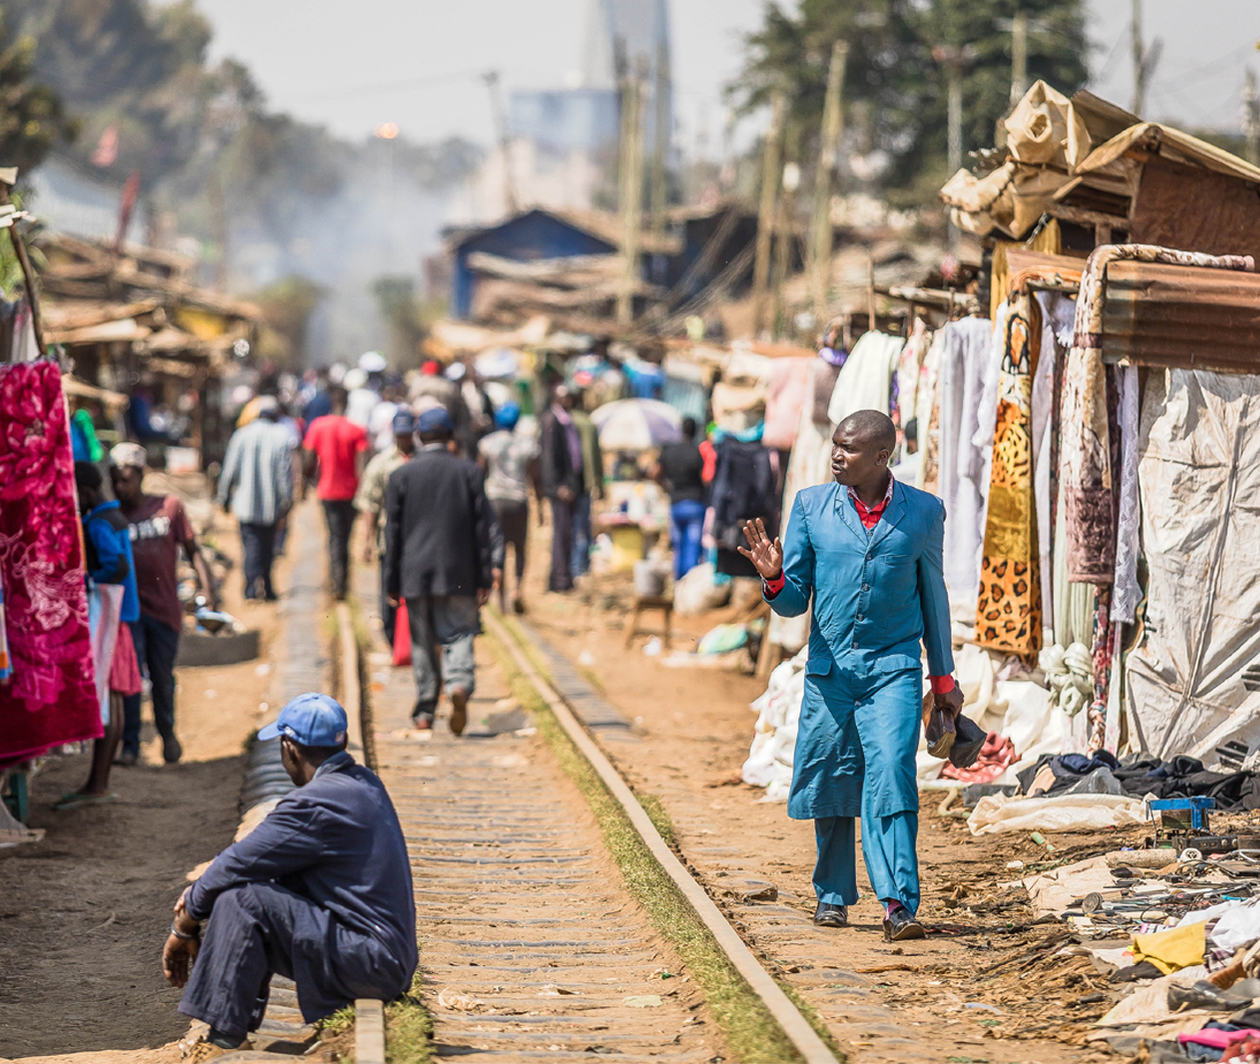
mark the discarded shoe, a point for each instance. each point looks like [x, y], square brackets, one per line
[828, 915]
[1203, 995]
[900, 925]
[968, 741]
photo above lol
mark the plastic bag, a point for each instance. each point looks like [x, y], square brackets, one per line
[1073, 812]
[698, 592]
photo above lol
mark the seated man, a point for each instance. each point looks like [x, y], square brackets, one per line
[319, 892]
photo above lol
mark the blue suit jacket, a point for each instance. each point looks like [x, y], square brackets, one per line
[877, 594]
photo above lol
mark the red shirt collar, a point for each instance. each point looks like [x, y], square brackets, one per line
[870, 515]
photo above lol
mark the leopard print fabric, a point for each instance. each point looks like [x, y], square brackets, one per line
[1008, 610]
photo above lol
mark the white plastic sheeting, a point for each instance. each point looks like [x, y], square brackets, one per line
[1187, 684]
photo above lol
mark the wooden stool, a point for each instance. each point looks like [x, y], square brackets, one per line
[664, 603]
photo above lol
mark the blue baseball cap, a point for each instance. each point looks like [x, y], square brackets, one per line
[404, 423]
[312, 719]
[436, 419]
[508, 415]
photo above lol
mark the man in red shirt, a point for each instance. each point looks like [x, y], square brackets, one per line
[339, 447]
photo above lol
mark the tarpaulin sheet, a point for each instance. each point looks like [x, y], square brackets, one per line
[1200, 484]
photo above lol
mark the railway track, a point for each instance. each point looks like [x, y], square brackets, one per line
[532, 946]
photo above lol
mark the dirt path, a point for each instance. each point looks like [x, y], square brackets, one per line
[976, 990]
[83, 914]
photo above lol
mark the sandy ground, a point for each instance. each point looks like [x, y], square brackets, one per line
[695, 726]
[83, 914]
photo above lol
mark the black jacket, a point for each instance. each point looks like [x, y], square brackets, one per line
[440, 529]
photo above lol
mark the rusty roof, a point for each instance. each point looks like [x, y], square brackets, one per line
[1181, 317]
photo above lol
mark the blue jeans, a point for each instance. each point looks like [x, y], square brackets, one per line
[581, 561]
[156, 647]
[686, 519]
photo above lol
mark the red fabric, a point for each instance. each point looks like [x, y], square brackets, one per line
[996, 756]
[336, 441]
[402, 636]
[124, 670]
[709, 453]
[941, 685]
[159, 528]
[770, 588]
[51, 698]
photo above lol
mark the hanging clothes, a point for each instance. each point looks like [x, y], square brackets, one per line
[809, 465]
[1085, 464]
[928, 415]
[907, 371]
[1008, 607]
[963, 483]
[745, 486]
[865, 381]
[789, 388]
[1128, 592]
[6, 661]
[51, 698]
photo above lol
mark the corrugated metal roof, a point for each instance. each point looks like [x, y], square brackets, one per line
[1182, 317]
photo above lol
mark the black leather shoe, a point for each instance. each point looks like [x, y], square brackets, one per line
[968, 741]
[900, 924]
[828, 915]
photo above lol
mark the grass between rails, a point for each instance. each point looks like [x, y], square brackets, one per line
[750, 1031]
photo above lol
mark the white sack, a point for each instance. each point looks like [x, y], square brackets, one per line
[1072, 812]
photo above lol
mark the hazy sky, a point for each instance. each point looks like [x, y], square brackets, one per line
[353, 66]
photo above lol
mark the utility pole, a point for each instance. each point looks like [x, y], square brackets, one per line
[660, 142]
[499, 112]
[771, 172]
[630, 192]
[1019, 57]
[825, 179]
[1139, 60]
[1251, 117]
[954, 60]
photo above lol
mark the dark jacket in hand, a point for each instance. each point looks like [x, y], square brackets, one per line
[439, 527]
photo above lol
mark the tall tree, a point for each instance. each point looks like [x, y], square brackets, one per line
[32, 118]
[895, 90]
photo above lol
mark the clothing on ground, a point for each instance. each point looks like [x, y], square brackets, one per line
[336, 441]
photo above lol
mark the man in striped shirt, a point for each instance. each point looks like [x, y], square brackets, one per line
[257, 486]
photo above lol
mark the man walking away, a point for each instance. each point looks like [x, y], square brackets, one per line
[257, 486]
[561, 471]
[319, 892]
[510, 461]
[159, 530]
[681, 473]
[868, 551]
[337, 445]
[440, 535]
[592, 486]
[370, 501]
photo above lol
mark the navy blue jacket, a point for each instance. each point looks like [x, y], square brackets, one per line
[336, 841]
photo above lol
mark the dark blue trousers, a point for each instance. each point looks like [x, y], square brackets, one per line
[258, 543]
[686, 520]
[157, 644]
[262, 929]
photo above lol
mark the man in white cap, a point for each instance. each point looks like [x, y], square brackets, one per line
[257, 486]
[319, 892]
[159, 530]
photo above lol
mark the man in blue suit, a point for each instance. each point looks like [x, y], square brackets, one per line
[868, 550]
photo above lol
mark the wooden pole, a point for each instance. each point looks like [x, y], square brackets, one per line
[631, 196]
[785, 224]
[771, 172]
[870, 292]
[1139, 60]
[825, 179]
[28, 275]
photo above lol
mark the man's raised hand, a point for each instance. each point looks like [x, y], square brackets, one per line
[765, 554]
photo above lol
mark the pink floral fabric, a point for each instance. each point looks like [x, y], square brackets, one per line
[51, 697]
